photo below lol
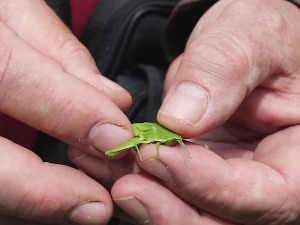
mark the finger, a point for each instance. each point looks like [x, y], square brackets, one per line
[134, 194]
[227, 150]
[102, 169]
[222, 64]
[228, 144]
[37, 191]
[36, 90]
[17, 221]
[61, 45]
[239, 190]
[171, 74]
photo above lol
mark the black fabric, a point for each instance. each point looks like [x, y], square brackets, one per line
[181, 25]
[126, 41]
[145, 84]
[296, 2]
[123, 33]
[62, 8]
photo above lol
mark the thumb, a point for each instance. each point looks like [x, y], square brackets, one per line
[223, 64]
[36, 191]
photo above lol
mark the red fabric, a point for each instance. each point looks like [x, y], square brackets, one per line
[81, 11]
[18, 132]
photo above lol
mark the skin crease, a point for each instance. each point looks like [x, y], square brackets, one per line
[235, 93]
[49, 82]
[249, 174]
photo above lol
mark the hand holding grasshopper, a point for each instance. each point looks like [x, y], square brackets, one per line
[146, 133]
[236, 89]
[49, 81]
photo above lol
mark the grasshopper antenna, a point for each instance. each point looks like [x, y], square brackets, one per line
[186, 150]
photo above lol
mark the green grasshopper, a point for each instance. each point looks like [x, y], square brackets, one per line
[146, 133]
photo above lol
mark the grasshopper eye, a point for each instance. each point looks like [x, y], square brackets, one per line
[138, 135]
[171, 142]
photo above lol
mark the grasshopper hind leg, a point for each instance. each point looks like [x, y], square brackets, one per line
[157, 149]
[138, 152]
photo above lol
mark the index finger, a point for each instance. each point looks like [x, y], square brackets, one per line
[57, 43]
[38, 91]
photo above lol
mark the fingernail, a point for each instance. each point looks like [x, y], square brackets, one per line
[94, 166]
[92, 213]
[187, 102]
[134, 208]
[105, 136]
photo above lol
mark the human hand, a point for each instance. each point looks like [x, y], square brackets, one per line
[49, 81]
[236, 90]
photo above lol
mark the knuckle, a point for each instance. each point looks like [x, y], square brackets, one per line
[70, 46]
[218, 56]
[70, 52]
[228, 59]
[74, 49]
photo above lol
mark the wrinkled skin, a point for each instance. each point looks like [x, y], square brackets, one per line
[235, 90]
[49, 82]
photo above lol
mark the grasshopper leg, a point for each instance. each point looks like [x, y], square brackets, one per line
[157, 149]
[138, 152]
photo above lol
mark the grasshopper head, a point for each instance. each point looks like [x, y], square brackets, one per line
[176, 140]
[172, 141]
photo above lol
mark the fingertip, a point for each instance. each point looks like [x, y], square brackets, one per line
[91, 213]
[125, 186]
[134, 207]
[96, 167]
[129, 196]
[187, 102]
[183, 108]
[112, 90]
[107, 135]
[48, 192]
[82, 200]
[150, 202]
[122, 99]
